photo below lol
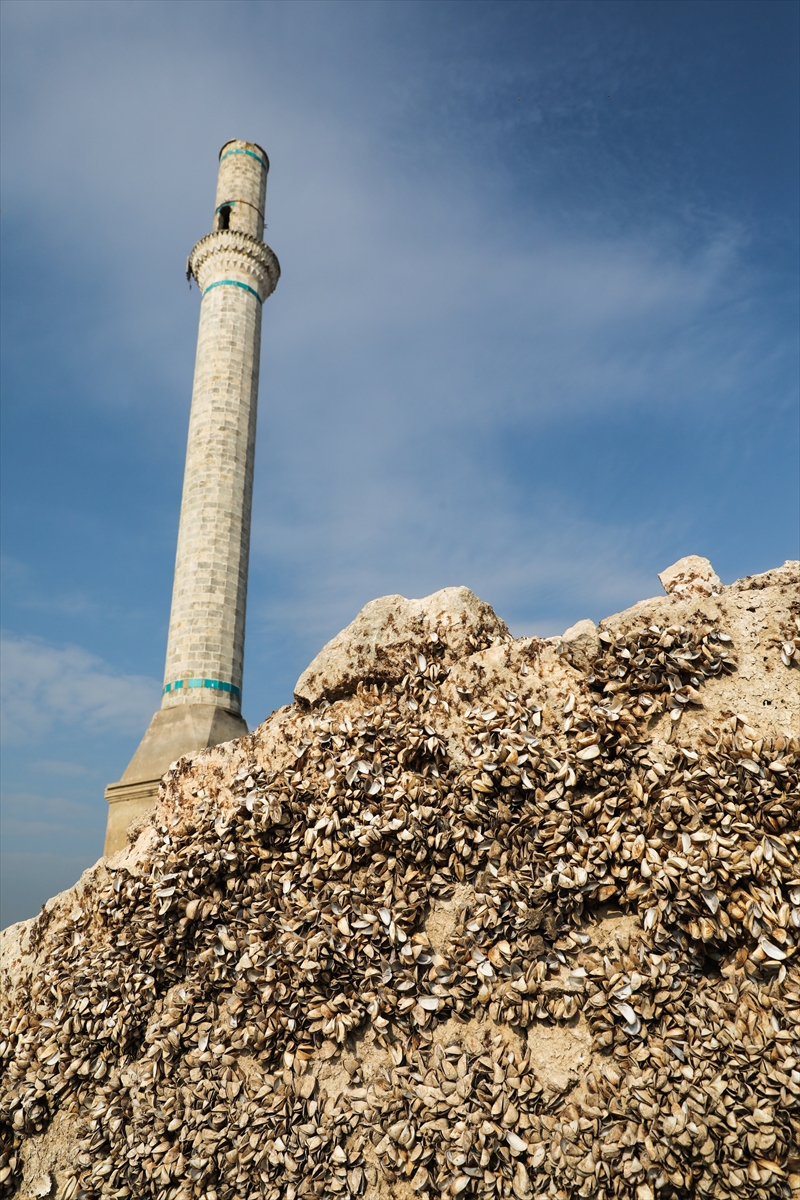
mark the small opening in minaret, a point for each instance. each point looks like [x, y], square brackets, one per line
[224, 217]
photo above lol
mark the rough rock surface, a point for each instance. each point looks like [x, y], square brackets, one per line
[475, 917]
[377, 645]
[691, 575]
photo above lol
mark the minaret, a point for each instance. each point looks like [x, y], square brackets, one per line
[201, 701]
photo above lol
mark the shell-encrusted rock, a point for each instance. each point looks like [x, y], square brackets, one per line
[582, 637]
[375, 647]
[502, 920]
[691, 575]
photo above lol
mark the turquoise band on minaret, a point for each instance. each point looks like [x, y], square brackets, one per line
[234, 283]
[249, 153]
[217, 685]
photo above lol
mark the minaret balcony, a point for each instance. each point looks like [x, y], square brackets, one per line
[228, 255]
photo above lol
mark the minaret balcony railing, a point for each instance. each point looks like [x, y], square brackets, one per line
[229, 250]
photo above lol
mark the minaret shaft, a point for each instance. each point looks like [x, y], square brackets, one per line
[205, 648]
[201, 700]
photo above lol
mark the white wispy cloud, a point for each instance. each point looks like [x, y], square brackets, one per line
[46, 687]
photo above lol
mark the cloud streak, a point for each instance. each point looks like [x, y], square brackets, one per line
[45, 687]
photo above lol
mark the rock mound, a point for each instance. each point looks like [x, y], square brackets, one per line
[475, 917]
[691, 575]
[388, 633]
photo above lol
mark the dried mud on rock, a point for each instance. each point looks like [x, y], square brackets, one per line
[473, 917]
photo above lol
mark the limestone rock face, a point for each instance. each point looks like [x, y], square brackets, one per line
[691, 575]
[583, 636]
[375, 647]
[580, 643]
[476, 916]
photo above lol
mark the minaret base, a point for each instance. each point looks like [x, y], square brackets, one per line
[173, 732]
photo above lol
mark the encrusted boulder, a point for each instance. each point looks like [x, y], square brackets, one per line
[508, 917]
[374, 648]
[691, 575]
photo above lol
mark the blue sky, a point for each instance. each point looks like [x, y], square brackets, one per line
[536, 333]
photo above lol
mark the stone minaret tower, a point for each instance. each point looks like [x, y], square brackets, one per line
[201, 702]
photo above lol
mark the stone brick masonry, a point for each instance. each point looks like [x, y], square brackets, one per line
[236, 273]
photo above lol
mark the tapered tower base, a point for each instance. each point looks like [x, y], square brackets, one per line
[172, 733]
